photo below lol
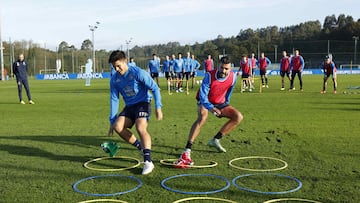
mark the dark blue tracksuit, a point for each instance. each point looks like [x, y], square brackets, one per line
[20, 70]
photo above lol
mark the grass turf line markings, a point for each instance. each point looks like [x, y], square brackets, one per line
[106, 194]
[267, 174]
[258, 170]
[196, 193]
[86, 164]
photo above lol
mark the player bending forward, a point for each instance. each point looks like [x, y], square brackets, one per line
[214, 96]
[133, 84]
[329, 68]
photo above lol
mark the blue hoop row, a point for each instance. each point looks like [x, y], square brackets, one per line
[106, 194]
[196, 193]
[267, 193]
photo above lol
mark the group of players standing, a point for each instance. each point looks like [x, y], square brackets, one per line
[175, 69]
[290, 66]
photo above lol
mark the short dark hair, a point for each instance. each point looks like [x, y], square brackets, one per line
[225, 60]
[117, 55]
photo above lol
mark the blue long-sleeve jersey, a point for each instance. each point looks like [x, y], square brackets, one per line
[134, 87]
[178, 65]
[154, 66]
[166, 66]
[195, 65]
[187, 64]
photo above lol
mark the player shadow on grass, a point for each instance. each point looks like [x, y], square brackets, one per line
[35, 152]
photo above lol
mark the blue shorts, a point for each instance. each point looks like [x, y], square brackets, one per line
[139, 110]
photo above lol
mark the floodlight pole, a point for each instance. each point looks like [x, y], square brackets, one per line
[92, 29]
[127, 47]
[356, 38]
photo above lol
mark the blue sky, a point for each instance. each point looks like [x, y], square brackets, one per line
[154, 21]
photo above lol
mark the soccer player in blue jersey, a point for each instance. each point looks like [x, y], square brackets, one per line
[154, 67]
[329, 68]
[166, 69]
[214, 97]
[133, 84]
[132, 62]
[178, 69]
[195, 65]
[187, 68]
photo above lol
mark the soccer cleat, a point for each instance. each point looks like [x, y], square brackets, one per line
[323, 92]
[263, 85]
[283, 88]
[216, 143]
[110, 147]
[334, 91]
[291, 89]
[148, 167]
[31, 102]
[267, 86]
[22, 102]
[184, 160]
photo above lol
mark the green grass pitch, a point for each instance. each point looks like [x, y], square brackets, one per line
[43, 146]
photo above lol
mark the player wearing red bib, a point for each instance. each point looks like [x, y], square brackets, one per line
[214, 96]
[297, 66]
[245, 67]
[329, 68]
[284, 68]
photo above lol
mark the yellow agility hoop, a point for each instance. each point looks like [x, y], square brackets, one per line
[258, 157]
[86, 164]
[170, 162]
[103, 200]
[291, 199]
[204, 198]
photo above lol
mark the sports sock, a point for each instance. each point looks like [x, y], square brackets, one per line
[188, 145]
[137, 144]
[147, 155]
[218, 135]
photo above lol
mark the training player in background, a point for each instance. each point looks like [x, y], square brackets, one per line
[195, 65]
[245, 67]
[187, 68]
[263, 64]
[297, 66]
[166, 70]
[253, 62]
[154, 67]
[329, 68]
[214, 96]
[133, 84]
[209, 64]
[20, 68]
[132, 62]
[284, 69]
[178, 69]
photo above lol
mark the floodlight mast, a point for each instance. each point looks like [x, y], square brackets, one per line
[92, 29]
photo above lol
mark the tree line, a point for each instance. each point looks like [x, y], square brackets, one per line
[336, 35]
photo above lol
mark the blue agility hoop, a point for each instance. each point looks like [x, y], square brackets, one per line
[195, 193]
[268, 193]
[106, 194]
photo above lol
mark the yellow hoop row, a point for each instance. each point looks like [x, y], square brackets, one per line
[258, 157]
[86, 164]
[103, 200]
[291, 199]
[203, 198]
[166, 162]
